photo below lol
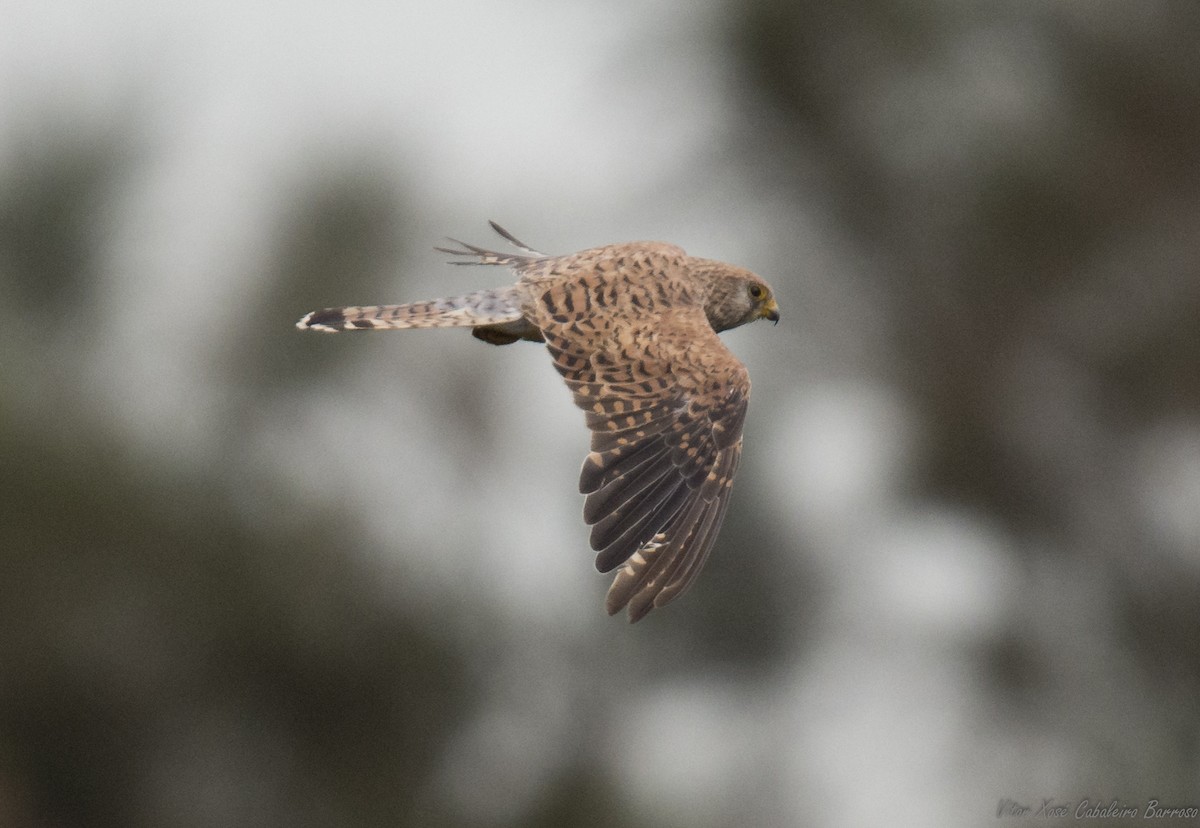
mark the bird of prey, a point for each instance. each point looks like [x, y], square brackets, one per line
[632, 328]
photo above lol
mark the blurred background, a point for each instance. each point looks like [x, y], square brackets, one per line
[250, 576]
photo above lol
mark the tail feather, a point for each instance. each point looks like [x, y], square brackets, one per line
[483, 307]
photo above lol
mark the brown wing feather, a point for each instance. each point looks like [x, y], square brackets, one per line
[665, 401]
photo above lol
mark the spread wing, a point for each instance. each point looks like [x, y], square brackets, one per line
[665, 401]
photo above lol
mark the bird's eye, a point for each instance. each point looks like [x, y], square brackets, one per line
[756, 292]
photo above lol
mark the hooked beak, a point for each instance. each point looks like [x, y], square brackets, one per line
[770, 310]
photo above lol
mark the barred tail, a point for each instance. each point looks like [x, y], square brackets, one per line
[483, 307]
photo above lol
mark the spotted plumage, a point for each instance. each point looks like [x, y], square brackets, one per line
[632, 329]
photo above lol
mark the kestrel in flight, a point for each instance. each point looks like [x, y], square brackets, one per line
[633, 329]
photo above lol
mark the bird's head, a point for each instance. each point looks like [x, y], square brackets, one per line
[735, 295]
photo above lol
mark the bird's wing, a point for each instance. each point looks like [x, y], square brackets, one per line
[473, 255]
[665, 400]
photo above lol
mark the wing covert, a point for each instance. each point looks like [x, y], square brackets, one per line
[665, 401]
